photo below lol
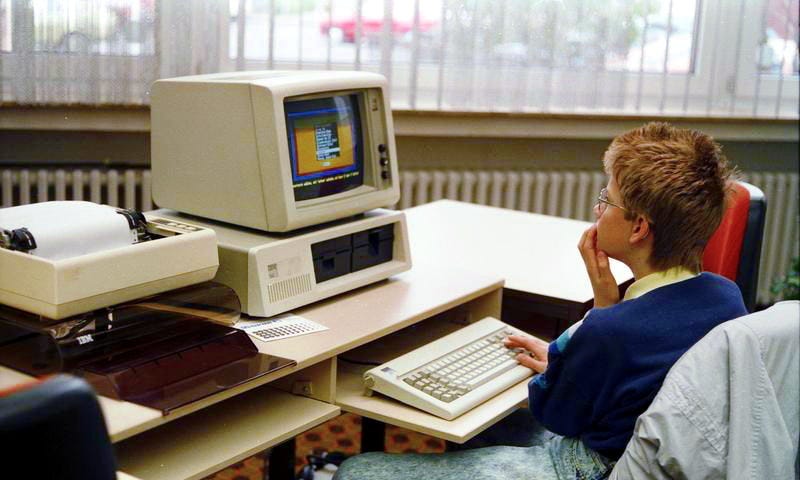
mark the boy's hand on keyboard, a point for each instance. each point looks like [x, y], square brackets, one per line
[533, 354]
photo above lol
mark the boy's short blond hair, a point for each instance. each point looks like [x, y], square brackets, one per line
[679, 181]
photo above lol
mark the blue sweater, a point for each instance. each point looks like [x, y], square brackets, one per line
[605, 374]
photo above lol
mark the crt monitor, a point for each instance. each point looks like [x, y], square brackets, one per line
[275, 150]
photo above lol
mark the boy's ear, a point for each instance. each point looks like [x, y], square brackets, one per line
[640, 230]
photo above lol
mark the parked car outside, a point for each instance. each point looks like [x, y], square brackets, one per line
[343, 21]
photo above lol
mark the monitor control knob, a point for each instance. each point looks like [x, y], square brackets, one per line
[384, 161]
[384, 175]
[382, 148]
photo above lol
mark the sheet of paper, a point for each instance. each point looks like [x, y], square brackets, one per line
[278, 327]
[66, 229]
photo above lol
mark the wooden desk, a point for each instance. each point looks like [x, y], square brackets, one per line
[208, 435]
[546, 286]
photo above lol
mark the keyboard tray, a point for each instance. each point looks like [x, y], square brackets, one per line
[453, 374]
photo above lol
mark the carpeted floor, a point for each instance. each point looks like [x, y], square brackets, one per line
[341, 434]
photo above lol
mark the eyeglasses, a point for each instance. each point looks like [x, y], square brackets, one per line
[602, 202]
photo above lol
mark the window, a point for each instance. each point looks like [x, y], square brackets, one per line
[77, 51]
[777, 58]
[5, 26]
[111, 27]
[655, 57]
[777, 52]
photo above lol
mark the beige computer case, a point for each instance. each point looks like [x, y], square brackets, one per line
[274, 273]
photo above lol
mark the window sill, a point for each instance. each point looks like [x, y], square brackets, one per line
[426, 123]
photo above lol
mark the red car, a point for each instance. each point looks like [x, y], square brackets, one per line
[372, 21]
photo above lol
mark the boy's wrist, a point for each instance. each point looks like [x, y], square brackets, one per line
[606, 297]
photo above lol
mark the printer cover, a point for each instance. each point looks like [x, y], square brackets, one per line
[163, 351]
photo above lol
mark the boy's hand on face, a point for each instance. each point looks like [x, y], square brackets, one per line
[534, 355]
[604, 285]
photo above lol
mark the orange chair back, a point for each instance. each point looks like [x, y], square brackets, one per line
[723, 252]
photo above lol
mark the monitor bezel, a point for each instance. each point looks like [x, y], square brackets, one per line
[368, 185]
[379, 188]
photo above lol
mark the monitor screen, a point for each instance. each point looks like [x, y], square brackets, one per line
[325, 145]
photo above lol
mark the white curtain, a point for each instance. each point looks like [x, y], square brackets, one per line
[658, 57]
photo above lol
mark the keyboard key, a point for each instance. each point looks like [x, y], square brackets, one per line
[488, 374]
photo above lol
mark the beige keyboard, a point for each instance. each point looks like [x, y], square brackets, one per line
[453, 374]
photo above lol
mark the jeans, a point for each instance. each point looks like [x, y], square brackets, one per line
[516, 447]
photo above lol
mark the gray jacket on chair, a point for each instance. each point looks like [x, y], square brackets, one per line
[729, 408]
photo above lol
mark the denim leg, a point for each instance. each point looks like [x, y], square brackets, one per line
[572, 459]
[491, 463]
[515, 447]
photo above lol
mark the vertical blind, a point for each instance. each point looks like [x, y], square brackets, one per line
[716, 58]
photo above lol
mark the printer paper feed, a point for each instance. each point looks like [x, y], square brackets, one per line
[65, 229]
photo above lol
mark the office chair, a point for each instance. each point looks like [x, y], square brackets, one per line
[742, 424]
[55, 429]
[734, 251]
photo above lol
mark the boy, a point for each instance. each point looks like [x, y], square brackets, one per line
[665, 197]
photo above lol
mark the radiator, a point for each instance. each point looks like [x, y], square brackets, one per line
[569, 194]
[572, 194]
[128, 188]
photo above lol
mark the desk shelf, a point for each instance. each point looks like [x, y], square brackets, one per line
[204, 442]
